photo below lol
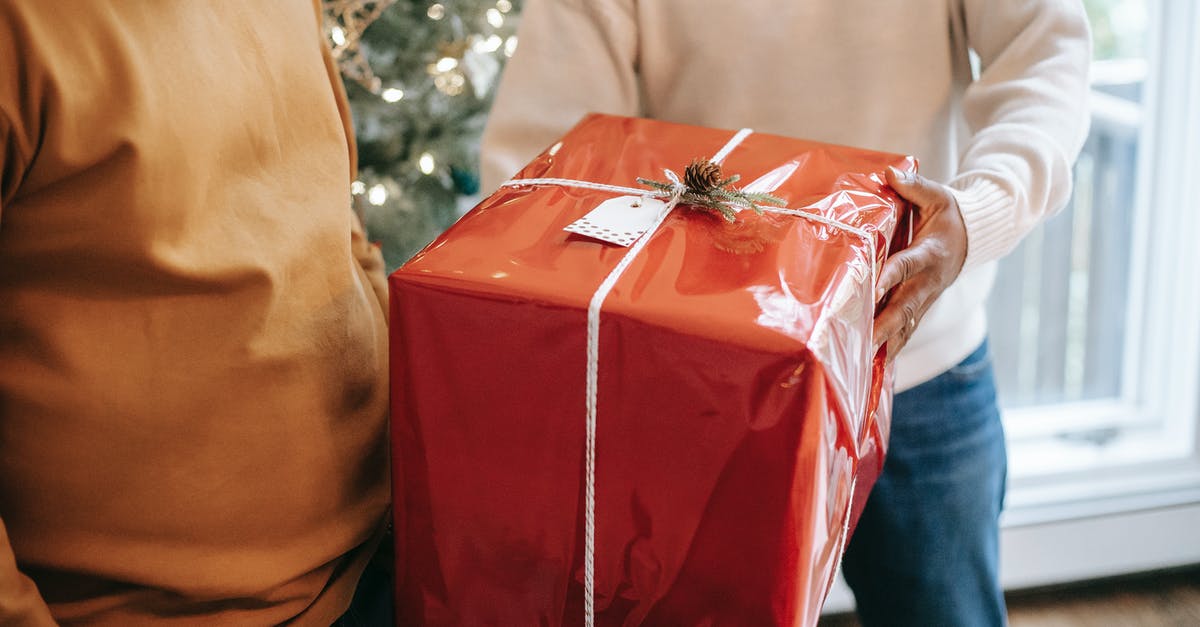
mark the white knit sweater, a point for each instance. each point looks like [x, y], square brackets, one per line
[892, 75]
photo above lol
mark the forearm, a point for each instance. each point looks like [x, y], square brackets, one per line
[1028, 118]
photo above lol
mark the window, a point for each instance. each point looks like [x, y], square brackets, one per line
[1095, 319]
[1095, 325]
[1057, 314]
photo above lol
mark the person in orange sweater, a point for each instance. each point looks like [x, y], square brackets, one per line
[193, 345]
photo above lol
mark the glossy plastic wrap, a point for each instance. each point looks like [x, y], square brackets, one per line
[741, 416]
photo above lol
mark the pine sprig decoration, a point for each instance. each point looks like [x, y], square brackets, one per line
[702, 176]
[710, 190]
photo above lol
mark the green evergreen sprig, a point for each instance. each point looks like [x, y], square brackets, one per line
[710, 190]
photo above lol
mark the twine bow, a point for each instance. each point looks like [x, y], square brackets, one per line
[705, 187]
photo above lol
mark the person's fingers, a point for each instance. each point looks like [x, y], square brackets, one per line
[916, 275]
[902, 311]
[915, 188]
[896, 322]
[927, 197]
[902, 267]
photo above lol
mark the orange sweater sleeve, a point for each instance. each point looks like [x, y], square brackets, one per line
[20, 603]
[6, 160]
[13, 147]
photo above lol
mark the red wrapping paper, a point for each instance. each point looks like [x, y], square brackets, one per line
[741, 419]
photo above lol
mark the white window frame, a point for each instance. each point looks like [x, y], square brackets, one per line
[1079, 509]
[1129, 502]
[1056, 471]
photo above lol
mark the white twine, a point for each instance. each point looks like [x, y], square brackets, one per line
[816, 217]
[734, 142]
[674, 178]
[600, 187]
[593, 375]
[593, 332]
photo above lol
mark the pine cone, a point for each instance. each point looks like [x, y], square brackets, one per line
[702, 176]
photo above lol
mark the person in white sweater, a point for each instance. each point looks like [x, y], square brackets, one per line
[996, 141]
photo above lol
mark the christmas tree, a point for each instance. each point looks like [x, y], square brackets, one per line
[420, 77]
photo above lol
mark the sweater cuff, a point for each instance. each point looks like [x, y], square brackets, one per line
[987, 213]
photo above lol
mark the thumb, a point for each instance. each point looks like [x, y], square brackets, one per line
[914, 188]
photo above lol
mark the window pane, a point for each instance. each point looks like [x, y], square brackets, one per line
[1058, 310]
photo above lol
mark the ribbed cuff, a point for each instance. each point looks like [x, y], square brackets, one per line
[987, 213]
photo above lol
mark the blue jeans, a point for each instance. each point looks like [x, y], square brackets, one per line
[926, 549]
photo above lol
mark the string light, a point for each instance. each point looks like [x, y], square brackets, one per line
[495, 18]
[392, 94]
[358, 188]
[378, 195]
[426, 163]
[510, 46]
[450, 84]
[445, 64]
[436, 11]
[347, 20]
[491, 44]
[504, 5]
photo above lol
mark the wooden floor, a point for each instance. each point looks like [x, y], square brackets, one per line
[1161, 600]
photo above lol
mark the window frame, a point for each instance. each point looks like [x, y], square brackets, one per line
[1079, 506]
[1142, 449]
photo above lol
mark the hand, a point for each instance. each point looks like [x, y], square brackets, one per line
[926, 267]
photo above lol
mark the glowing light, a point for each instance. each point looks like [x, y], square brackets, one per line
[450, 84]
[445, 64]
[378, 195]
[338, 35]
[358, 188]
[504, 5]
[491, 44]
[510, 46]
[392, 94]
[495, 18]
[436, 11]
[426, 163]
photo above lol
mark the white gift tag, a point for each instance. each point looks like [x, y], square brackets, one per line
[621, 220]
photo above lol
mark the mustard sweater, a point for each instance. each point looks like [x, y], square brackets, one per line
[193, 347]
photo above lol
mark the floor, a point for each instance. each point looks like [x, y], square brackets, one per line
[1161, 600]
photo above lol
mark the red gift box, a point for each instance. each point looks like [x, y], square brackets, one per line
[740, 415]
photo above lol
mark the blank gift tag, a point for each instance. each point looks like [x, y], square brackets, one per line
[621, 220]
